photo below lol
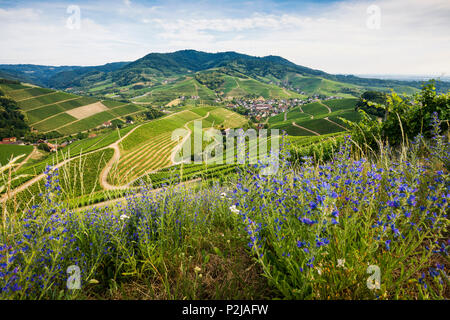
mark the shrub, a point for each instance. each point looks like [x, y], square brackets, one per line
[44, 146]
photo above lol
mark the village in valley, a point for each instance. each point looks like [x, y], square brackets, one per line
[261, 109]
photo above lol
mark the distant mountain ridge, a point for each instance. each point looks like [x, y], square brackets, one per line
[155, 69]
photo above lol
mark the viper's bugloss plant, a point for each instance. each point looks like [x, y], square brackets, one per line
[302, 224]
[314, 230]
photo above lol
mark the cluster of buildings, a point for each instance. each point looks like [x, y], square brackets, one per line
[12, 140]
[52, 147]
[263, 108]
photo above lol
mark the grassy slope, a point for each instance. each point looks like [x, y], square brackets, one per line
[45, 109]
[316, 85]
[8, 151]
[237, 87]
[163, 94]
[313, 116]
[149, 147]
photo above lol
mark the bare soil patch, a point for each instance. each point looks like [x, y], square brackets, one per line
[88, 110]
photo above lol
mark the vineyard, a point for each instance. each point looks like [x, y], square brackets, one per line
[150, 147]
[10, 151]
[317, 118]
[48, 110]
[146, 154]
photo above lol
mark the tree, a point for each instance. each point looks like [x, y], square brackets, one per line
[367, 101]
[403, 119]
[12, 121]
[44, 146]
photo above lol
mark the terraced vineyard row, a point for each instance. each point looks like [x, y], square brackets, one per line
[317, 118]
[48, 110]
[177, 174]
[150, 147]
[28, 171]
[147, 158]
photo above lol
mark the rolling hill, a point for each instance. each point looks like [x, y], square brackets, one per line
[112, 163]
[316, 118]
[48, 110]
[160, 77]
[150, 148]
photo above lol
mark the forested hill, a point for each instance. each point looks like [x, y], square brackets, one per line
[155, 68]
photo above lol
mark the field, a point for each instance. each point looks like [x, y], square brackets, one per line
[334, 221]
[237, 87]
[318, 243]
[316, 118]
[48, 110]
[316, 85]
[11, 150]
[164, 94]
[232, 87]
[77, 177]
[32, 169]
[143, 153]
[150, 146]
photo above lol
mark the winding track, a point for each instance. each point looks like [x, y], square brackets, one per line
[331, 121]
[323, 104]
[180, 145]
[41, 176]
[115, 159]
[296, 125]
[26, 159]
[337, 124]
[312, 117]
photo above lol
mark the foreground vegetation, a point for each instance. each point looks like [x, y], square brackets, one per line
[360, 216]
[309, 232]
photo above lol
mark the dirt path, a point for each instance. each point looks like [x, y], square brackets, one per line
[301, 110]
[296, 125]
[34, 151]
[41, 176]
[103, 175]
[46, 105]
[180, 145]
[287, 92]
[337, 124]
[285, 116]
[47, 94]
[323, 104]
[68, 124]
[115, 159]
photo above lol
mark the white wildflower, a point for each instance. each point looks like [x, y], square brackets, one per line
[124, 217]
[223, 195]
[341, 263]
[319, 271]
[234, 209]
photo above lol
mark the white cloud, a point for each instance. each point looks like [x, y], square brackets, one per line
[414, 37]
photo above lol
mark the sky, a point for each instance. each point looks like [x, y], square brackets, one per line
[409, 37]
